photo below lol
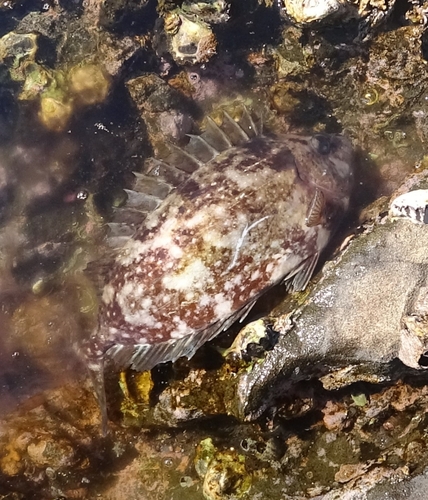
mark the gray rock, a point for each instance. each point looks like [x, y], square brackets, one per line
[363, 313]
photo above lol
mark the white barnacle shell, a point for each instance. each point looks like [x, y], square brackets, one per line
[307, 11]
[412, 205]
[193, 41]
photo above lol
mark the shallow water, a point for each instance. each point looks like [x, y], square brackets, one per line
[61, 176]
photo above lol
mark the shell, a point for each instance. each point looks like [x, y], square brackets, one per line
[242, 213]
[308, 11]
[367, 13]
[191, 40]
[412, 205]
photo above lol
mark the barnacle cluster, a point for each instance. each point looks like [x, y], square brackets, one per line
[83, 85]
[311, 12]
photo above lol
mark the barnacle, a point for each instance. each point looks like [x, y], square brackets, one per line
[193, 42]
[223, 472]
[172, 23]
[211, 11]
[16, 48]
[307, 11]
[18, 52]
[412, 206]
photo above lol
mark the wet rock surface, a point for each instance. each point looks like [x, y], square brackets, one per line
[385, 269]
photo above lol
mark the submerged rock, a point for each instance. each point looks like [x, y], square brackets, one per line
[361, 315]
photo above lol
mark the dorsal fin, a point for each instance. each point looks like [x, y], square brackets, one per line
[162, 176]
[237, 134]
[200, 148]
[141, 201]
[165, 172]
[97, 271]
[215, 136]
[247, 123]
[119, 233]
[182, 160]
[129, 216]
[151, 185]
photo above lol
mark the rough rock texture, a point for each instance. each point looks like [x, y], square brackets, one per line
[355, 314]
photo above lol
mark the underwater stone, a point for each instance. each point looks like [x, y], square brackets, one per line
[55, 113]
[89, 84]
[152, 94]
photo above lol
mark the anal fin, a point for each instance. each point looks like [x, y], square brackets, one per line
[142, 357]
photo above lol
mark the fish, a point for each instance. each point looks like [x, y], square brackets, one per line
[206, 233]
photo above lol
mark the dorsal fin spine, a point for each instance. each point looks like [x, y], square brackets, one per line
[219, 131]
[241, 132]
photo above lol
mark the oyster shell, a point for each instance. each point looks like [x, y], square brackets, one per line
[307, 11]
[191, 41]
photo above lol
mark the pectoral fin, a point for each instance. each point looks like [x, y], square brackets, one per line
[316, 209]
[301, 277]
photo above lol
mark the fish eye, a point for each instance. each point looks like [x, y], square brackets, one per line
[322, 144]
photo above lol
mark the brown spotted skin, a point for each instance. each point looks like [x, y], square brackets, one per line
[236, 227]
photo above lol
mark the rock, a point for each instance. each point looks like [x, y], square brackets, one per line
[364, 312]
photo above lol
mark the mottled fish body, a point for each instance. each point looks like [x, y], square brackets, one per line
[250, 217]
